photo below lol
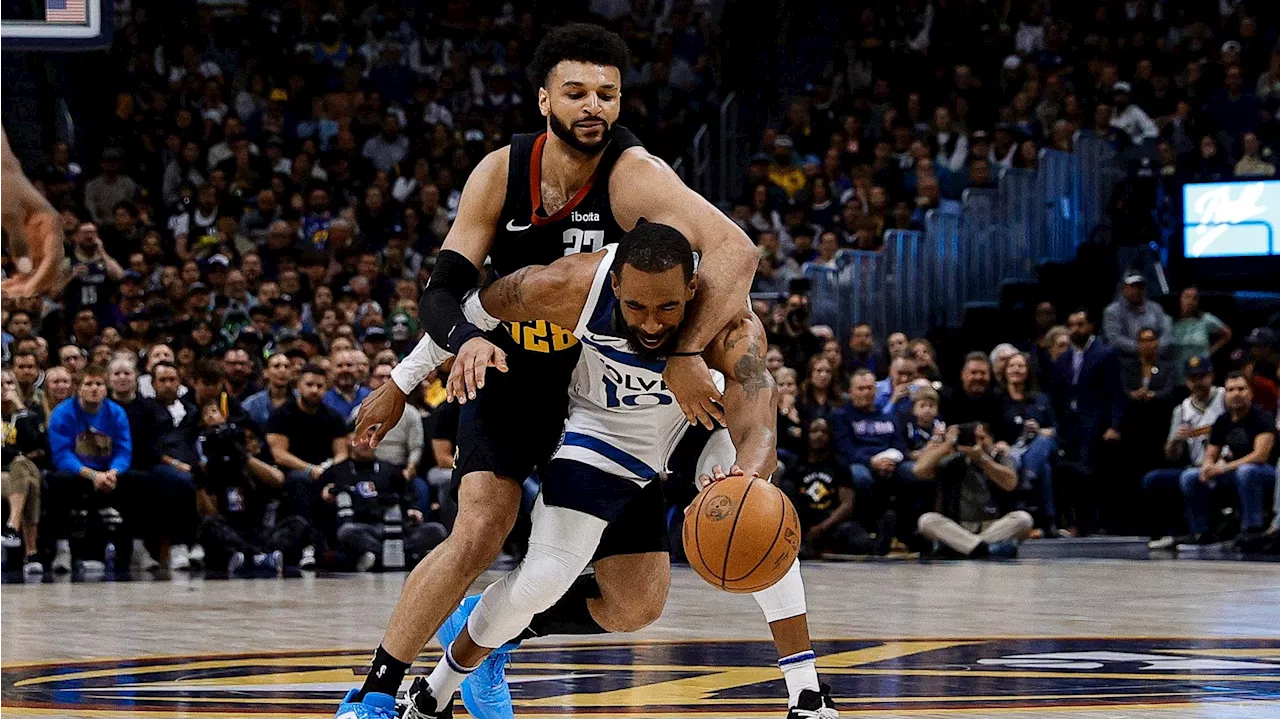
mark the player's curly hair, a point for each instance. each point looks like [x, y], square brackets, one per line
[582, 42]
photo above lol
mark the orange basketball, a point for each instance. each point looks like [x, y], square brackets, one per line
[741, 534]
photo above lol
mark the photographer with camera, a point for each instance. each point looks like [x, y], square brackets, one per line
[965, 467]
[372, 497]
[791, 331]
[236, 483]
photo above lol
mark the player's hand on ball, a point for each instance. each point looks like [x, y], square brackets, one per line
[718, 474]
[467, 377]
[378, 413]
[690, 381]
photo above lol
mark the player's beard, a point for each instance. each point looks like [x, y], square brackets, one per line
[632, 334]
[565, 133]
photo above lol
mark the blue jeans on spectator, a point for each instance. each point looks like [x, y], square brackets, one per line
[1158, 486]
[1253, 482]
[420, 496]
[864, 478]
[1035, 470]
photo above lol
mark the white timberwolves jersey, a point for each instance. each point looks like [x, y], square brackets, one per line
[622, 418]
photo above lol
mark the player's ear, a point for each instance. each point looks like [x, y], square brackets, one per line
[613, 281]
[692, 288]
[544, 101]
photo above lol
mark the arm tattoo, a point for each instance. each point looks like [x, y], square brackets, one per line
[751, 371]
[508, 292]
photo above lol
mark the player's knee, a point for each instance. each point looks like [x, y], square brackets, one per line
[474, 551]
[539, 582]
[632, 616]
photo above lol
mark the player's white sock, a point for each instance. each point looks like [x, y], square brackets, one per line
[800, 671]
[445, 679]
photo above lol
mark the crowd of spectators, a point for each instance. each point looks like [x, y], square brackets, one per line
[247, 248]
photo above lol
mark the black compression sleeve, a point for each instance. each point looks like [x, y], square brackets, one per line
[440, 309]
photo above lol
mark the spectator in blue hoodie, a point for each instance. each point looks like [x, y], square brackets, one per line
[92, 450]
[866, 440]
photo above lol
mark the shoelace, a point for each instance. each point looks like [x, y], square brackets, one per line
[503, 661]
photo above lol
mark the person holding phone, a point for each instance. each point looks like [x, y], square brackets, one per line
[972, 474]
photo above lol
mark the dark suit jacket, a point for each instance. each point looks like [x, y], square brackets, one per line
[1094, 403]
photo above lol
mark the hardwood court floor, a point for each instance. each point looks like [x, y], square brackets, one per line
[1078, 639]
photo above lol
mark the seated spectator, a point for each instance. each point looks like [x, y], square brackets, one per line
[1124, 318]
[893, 393]
[975, 400]
[863, 353]
[896, 344]
[1252, 164]
[1028, 431]
[170, 497]
[403, 445]
[29, 378]
[1196, 332]
[92, 450]
[345, 393]
[364, 490]
[1189, 429]
[306, 438]
[794, 335]
[1264, 362]
[1238, 455]
[236, 483]
[59, 385]
[790, 430]
[239, 371]
[971, 523]
[926, 361]
[822, 491]
[868, 442]
[999, 357]
[819, 394]
[1265, 392]
[923, 425]
[23, 434]
[279, 389]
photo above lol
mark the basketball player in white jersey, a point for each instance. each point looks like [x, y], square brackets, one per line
[33, 225]
[627, 305]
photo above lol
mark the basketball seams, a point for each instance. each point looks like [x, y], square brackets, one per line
[728, 545]
[782, 522]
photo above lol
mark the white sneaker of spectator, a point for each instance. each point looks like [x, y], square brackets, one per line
[91, 567]
[308, 560]
[62, 557]
[197, 555]
[366, 562]
[32, 567]
[179, 558]
[1165, 542]
[142, 559]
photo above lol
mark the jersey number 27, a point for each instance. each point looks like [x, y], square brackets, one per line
[576, 240]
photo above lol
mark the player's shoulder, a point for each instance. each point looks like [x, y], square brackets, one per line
[638, 161]
[493, 166]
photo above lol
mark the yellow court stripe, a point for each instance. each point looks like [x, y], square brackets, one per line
[996, 674]
[192, 666]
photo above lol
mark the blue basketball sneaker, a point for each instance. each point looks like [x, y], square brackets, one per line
[374, 706]
[485, 693]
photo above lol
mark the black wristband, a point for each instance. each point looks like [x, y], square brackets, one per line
[462, 332]
[684, 354]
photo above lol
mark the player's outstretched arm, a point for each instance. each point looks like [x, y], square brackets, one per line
[555, 292]
[643, 186]
[29, 216]
[750, 396]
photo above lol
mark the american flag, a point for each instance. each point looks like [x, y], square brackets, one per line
[65, 11]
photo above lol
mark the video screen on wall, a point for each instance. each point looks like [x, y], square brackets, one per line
[1231, 219]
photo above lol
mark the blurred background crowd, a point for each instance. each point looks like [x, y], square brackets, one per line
[254, 194]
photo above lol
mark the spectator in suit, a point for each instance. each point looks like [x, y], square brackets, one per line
[1130, 313]
[1088, 394]
[1184, 447]
[1238, 455]
[1149, 382]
